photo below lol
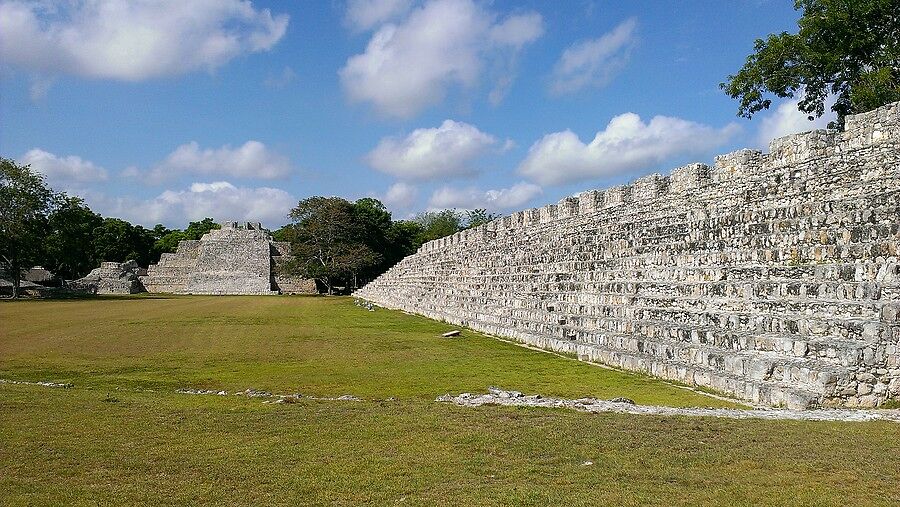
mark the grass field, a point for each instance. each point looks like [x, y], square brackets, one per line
[123, 435]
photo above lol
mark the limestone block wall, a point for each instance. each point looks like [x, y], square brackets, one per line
[110, 278]
[239, 258]
[232, 261]
[772, 277]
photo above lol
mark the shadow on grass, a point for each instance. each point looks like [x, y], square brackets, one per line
[71, 296]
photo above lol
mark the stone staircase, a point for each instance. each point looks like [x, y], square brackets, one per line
[771, 277]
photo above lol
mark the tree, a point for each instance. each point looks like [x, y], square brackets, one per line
[25, 202]
[119, 241]
[403, 238]
[479, 216]
[167, 243]
[166, 240]
[849, 49]
[374, 222]
[328, 241]
[196, 230]
[69, 251]
[438, 224]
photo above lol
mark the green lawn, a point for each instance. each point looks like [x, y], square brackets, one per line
[153, 446]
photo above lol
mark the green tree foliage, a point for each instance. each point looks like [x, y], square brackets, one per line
[167, 243]
[25, 203]
[119, 241]
[68, 245]
[329, 240]
[196, 230]
[166, 240]
[849, 49]
[404, 238]
[438, 224]
[479, 216]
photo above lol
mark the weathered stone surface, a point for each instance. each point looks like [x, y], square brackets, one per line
[239, 258]
[772, 277]
[111, 278]
[626, 406]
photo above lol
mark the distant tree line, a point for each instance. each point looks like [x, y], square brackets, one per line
[61, 233]
[346, 244]
[336, 242]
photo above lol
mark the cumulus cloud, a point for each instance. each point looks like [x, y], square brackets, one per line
[250, 160]
[444, 43]
[594, 62]
[133, 40]
[430, 153]
[63, 172]
[401, 195]
[786, 119]
[220, 200]
[471, 198]
[366, 14]
[627, 144]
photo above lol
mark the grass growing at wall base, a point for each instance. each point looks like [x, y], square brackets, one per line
[122, 436]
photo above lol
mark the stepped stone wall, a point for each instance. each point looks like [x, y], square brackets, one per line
[239, 258]
[772, 277]
[111, 278]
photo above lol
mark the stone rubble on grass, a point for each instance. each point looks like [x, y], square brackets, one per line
[497, 396]
[39, 383]
[278, 398]
[201, 391]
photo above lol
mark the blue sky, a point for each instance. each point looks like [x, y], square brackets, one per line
[170, 111]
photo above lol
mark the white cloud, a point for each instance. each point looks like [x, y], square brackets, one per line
[250, 160]
[786, 119]
[63, 172]
[627, 144]
[220, 200]
[594, 62]
[493, 200]
[517, 31]
[366, 14]
[401, 195]
[411, 65]
[133, 40]
[430, 153]
[280, 81]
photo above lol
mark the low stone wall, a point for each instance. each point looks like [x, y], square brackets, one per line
[771, 277]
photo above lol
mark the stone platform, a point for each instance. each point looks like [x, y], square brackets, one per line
[239, 258]
[771, 277]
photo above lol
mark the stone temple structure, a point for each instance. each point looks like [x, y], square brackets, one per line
[772, 277]
[239, 258]
[111, 278]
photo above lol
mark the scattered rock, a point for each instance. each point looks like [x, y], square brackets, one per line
[497, 396]
[39, 383]
[621, 399]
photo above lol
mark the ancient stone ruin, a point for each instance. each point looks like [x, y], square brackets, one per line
[239, 258]
[771, 277]
[111, 278]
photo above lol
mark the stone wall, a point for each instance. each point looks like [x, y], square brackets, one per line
[771, 277]
[111, 278]
[239, 258]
